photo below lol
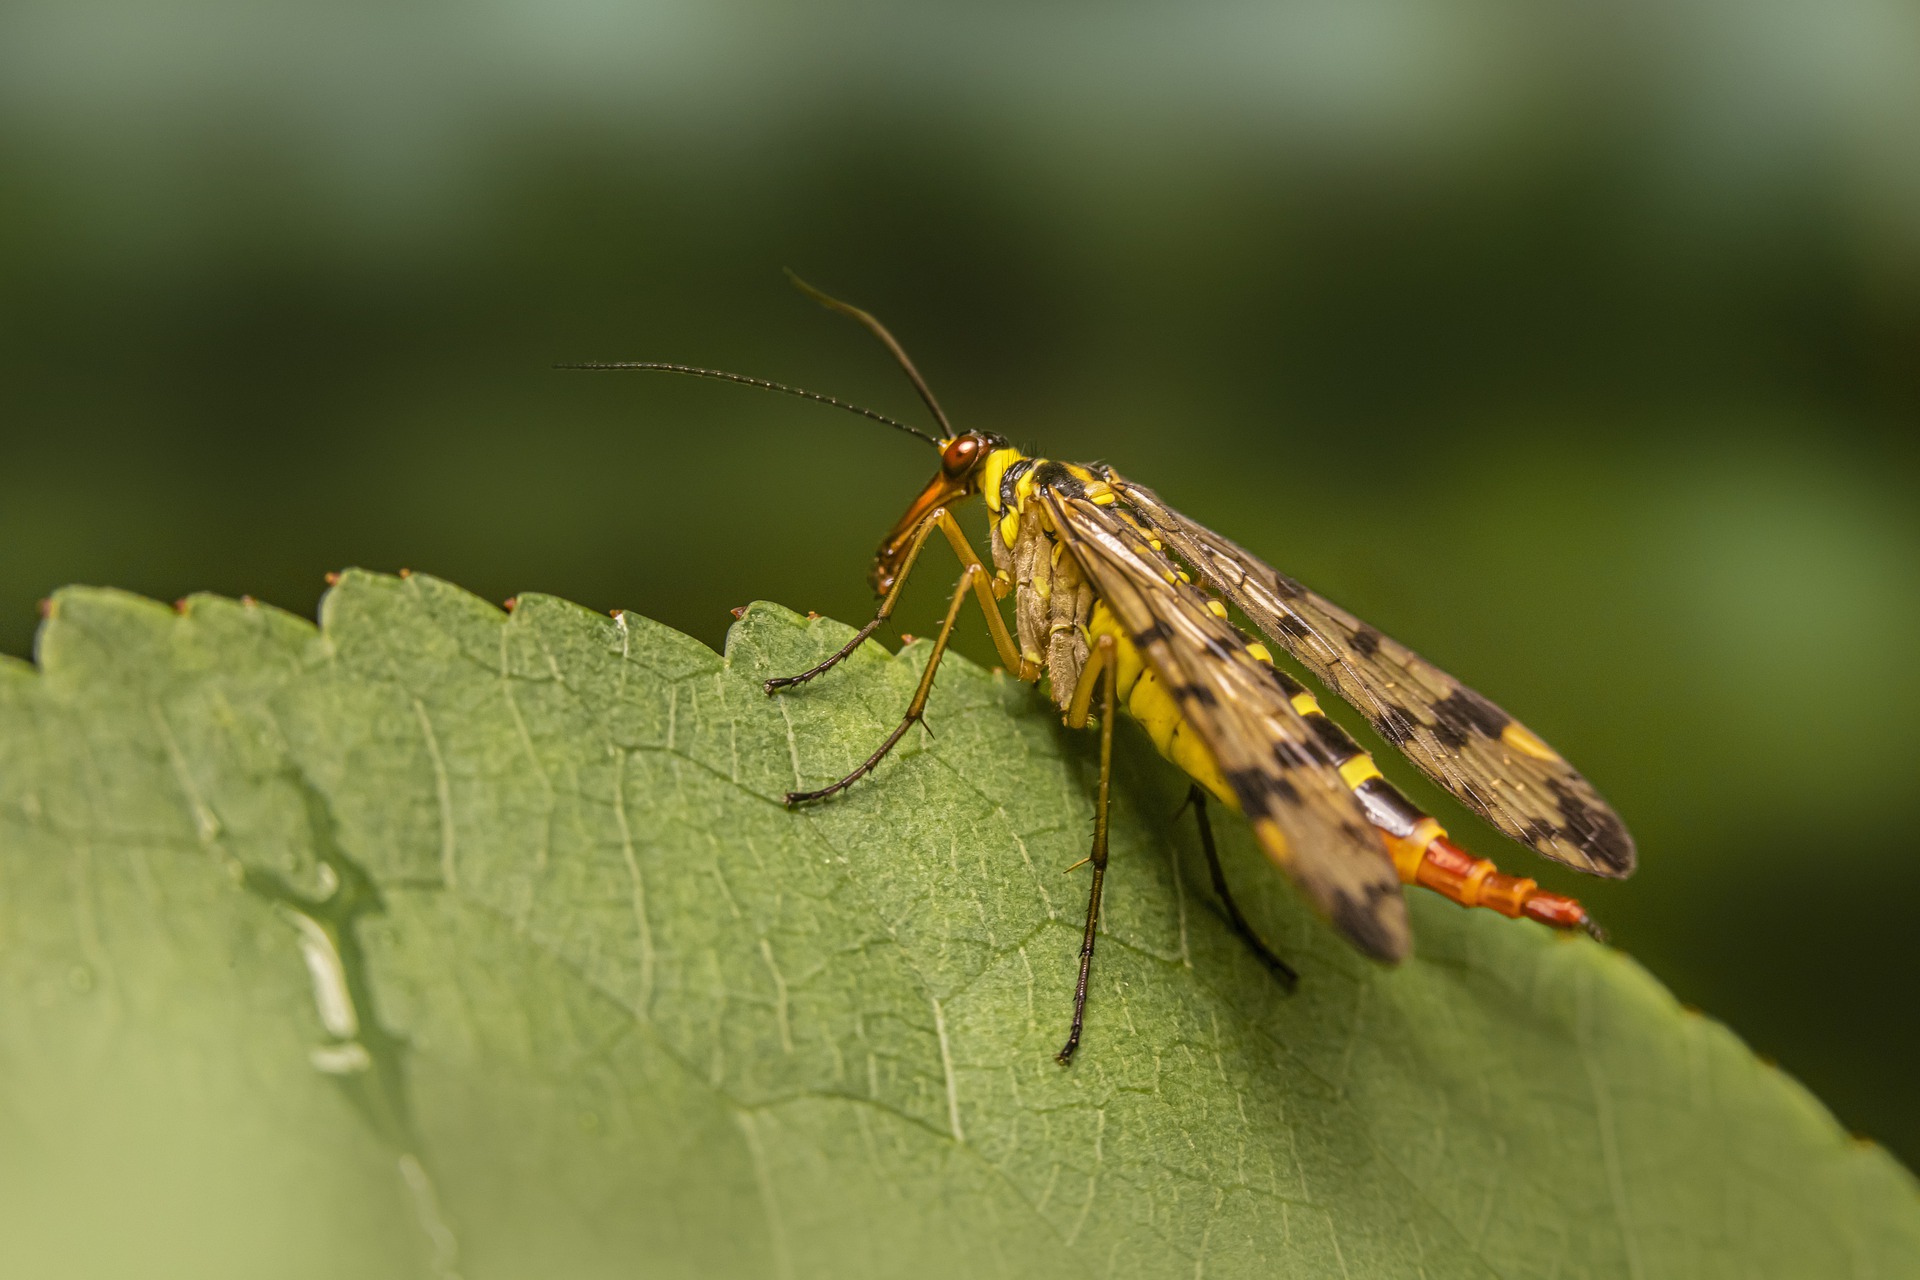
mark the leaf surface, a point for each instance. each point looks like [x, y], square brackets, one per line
[443, 941]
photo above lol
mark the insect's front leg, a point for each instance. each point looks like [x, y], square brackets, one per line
[983, 588]
[969, 579]
[1097, 674]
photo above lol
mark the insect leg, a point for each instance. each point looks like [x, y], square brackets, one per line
[983, 591]
[1100, 667]
[938, 518]
[1197, 797]
[915, 709]
[860, 636]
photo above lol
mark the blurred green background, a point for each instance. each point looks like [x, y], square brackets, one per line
[1579, 347]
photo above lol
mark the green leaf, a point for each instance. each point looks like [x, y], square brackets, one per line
[441, 940]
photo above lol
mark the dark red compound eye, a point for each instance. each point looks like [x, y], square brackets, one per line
[958, 458]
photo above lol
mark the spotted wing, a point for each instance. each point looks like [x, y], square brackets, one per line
[1305, 817]
[1491, 762]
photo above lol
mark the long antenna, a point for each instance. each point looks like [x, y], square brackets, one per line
[762, 383]
[879, 331]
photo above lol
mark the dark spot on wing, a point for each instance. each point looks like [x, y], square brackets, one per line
[1465, 712]
[1395, 724]
[1593, 829]
[1296, 755]
[1260, 789]
[1246, 783]
[1287, 588]
[1289, 625]
[1197, 693]
[1159, 631]
[1365, 642]
[1362, 919]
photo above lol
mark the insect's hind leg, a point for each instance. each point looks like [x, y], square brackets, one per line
[1197, 797]
[1100, 668]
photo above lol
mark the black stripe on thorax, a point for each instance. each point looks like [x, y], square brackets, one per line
[1049, 474]
[1010, 480]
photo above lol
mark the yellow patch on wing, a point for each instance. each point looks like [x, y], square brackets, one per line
[1524, 740]
[1274, 841]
